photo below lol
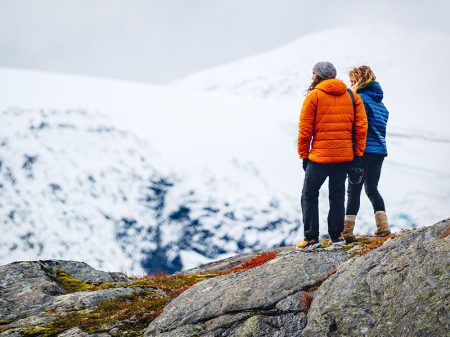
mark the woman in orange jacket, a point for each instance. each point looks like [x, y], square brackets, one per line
[332, 134]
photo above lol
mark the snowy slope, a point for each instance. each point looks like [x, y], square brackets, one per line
[69, 182]
[80, 185]
[410, 65]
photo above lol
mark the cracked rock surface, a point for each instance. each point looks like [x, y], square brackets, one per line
[30, 287]
[264, 301]
[399, 289]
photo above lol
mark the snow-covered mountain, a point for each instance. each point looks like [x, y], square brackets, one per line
[79, 185]
[410, 65]
[71, 184]
[134, 177]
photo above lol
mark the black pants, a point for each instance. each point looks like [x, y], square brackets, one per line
[372, 171]
[314, 178]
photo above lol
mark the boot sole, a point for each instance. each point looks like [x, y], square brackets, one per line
[350, 239]
[310, 247]
[355, 240]
[385, 233]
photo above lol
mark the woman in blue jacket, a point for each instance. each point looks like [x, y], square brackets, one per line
[363, 80]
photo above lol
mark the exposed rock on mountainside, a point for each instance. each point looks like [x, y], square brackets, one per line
[401, 289]
[31, 287]
[255, 301]
[397, 286]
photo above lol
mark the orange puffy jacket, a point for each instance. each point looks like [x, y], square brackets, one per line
[327, 118]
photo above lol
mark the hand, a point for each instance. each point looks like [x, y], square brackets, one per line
[305, 164]
[356, 172]
[357, 162]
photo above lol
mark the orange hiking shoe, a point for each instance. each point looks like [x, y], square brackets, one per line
[308, 244]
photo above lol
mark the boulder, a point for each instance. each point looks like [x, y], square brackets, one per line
[263, 301]
[399, 289]
[30, 287]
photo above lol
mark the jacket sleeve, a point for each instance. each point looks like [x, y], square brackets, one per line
[360, 126]
[306, 124]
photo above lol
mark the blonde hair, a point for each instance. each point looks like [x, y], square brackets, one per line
[359, 76]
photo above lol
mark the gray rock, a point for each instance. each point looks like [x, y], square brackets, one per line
[288, 325]
[399, 289]
[25, 288]
[74, 332]
[114, 332]
[29, 321]
[219, 306]
[84, 272]
[88, 299]
[231, 262]
[30, 287]
[221, 265]
[11, 333]
[295, 302]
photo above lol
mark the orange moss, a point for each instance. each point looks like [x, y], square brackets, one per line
[445, 233]
[305, 303]
[308, 294]
[372, 244]
[331, 272]
[254, 262]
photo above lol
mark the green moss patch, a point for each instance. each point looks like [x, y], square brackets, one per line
[72, 285]
[5, 321]
[130, 314]
[160, 281]
[36, 332]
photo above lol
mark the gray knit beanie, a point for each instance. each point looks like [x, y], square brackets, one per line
[325, 70]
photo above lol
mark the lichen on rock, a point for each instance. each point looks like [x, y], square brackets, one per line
[399, 289]
[235, 298]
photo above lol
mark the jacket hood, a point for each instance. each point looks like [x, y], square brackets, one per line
[332, 87]
[372, 89]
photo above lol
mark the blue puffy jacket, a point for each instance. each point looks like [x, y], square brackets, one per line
[377, 117]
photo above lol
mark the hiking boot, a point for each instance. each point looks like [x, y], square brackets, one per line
[349, 225]
[337, 242]
[354, 240]
[310, 244]
[382, 224]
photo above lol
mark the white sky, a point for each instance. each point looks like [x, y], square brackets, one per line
[161, 40]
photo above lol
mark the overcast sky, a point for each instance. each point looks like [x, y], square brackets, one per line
[160, 40]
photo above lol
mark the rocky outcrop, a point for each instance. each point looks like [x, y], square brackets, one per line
[28, 287]
[262, 301]
[226, 264]
[399, 288]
